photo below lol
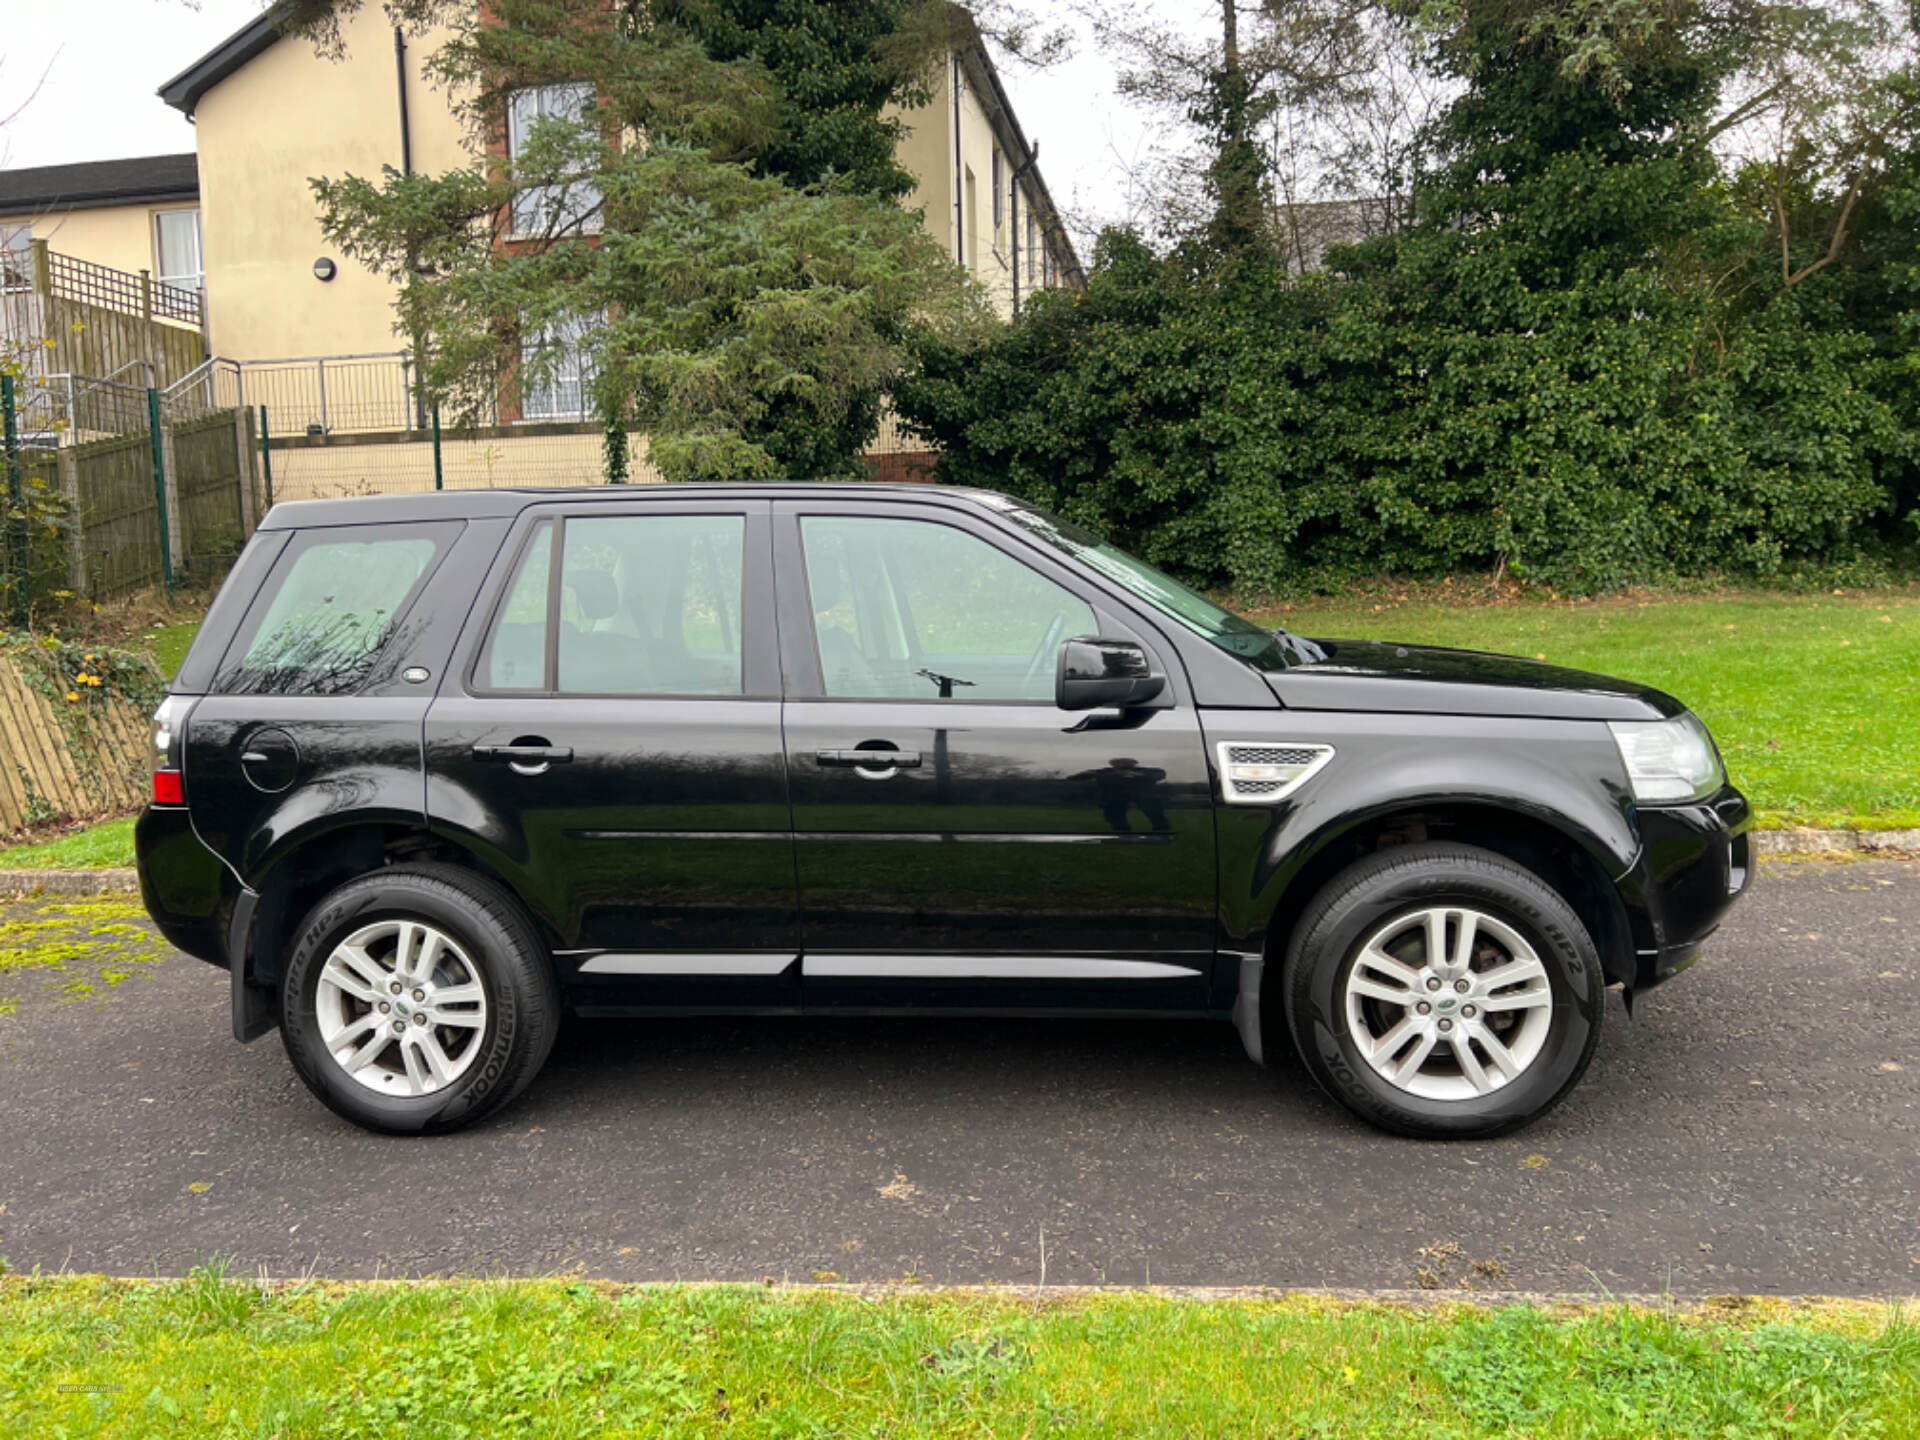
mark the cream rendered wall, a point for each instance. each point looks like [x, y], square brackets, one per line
[117, 235]
[927, 154]
[287, 115]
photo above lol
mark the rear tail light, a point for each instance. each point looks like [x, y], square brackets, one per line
[169, 787]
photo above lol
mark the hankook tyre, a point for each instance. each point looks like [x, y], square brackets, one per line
[418, 998]
[1443, 991]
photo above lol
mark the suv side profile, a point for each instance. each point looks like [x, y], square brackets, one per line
[438, 766]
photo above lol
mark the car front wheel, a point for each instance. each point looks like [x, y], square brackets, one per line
[1443, 991]
[418, 998]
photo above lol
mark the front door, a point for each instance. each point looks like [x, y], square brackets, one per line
[613, 747]
[958, 838]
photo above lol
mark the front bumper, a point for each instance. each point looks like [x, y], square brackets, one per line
[1695, 861]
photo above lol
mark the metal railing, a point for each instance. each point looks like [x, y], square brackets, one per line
[335, 394]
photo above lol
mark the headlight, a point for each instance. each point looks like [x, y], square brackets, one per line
[1669, 759]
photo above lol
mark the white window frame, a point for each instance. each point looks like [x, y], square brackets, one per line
[195, 280]
[541, 400]
[573, 205]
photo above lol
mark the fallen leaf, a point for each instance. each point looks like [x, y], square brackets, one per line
[1535, 1162]
[200, 1187]
[901, 1188]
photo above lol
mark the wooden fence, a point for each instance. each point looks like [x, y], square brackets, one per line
[93, 761]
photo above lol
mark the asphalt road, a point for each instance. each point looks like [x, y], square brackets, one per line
[1755, 1127]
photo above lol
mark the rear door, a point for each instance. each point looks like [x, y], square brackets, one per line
[959, 839]
[313, 711]
[611, 744]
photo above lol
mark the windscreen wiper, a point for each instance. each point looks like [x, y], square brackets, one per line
[945, 682]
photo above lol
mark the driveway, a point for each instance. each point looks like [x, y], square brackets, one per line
[1755, 1127]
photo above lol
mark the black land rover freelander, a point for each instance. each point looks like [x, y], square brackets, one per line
[438, 765]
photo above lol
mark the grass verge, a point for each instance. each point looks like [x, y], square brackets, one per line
[210, 1357]
[101, 846]
[1815, 699]
[167, 644]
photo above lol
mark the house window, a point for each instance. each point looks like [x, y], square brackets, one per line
[540, 211]
[972, 220]
[1033, 244]
[556, 370]
[176, 249]
[999, 195]
[16, 257]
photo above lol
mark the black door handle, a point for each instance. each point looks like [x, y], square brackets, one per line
[874, 759]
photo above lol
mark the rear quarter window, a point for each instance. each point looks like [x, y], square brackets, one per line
[333, 609]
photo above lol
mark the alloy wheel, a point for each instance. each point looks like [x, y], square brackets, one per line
[1448, 1003]
[402, 1009]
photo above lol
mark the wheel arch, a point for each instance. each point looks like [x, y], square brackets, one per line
[1557, 854]
[306, 867]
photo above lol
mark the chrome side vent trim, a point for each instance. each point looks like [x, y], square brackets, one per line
[1261, 773]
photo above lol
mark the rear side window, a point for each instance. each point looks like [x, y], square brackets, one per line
[333, 606]
[645, 605]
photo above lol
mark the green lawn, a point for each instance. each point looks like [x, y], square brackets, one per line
[1815, 699]
[167, 644]
[106, 844]
[205, 1357]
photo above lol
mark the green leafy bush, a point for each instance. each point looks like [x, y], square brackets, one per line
[1581, 363]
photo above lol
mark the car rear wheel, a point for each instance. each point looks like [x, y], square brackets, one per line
[1443, 991]
[418, 998]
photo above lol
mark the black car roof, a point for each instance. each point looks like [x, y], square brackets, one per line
[489, 504]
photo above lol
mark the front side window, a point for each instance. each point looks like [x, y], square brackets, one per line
[334, 604]
[914, 609]
[543, 211]
[648, 605]
[176, 250]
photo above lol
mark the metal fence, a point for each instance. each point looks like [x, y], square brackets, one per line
[350, 425]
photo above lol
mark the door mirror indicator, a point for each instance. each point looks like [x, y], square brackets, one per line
[1093, 672]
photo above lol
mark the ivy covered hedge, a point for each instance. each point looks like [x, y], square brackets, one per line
[1582, 362]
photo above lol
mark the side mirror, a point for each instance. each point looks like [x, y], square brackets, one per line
[1093, 673]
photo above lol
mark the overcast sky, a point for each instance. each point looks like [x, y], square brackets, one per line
[97, 64]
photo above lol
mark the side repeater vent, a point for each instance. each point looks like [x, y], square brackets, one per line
[1253, 774]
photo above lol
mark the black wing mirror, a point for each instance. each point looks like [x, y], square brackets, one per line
[1094, 673]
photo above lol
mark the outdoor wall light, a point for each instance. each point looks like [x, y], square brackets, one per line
[324, 269]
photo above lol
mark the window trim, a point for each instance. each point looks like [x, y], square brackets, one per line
[759, 660]
[799, 644]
